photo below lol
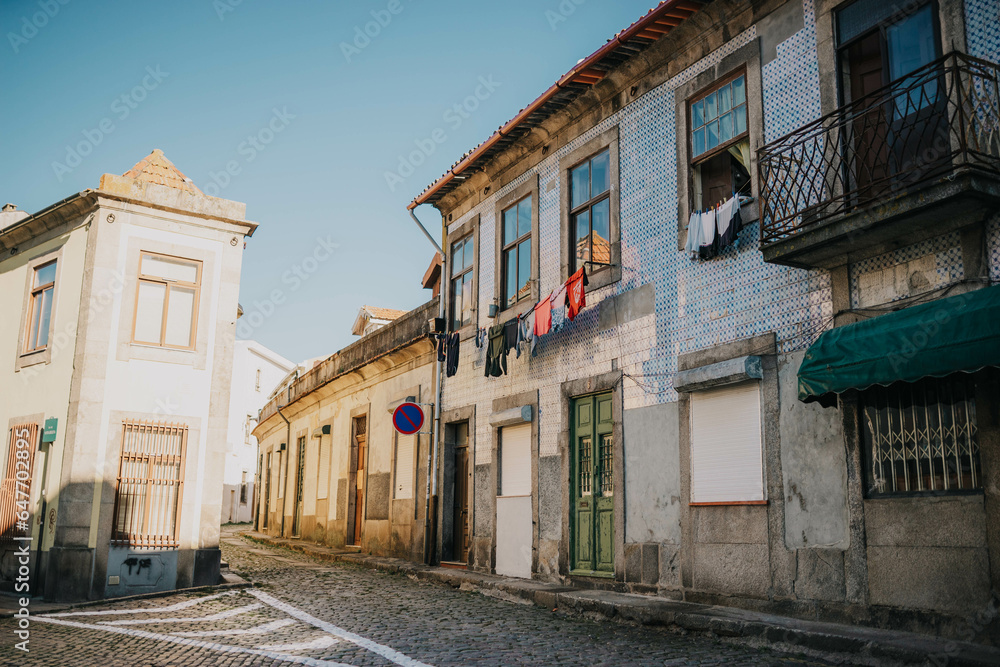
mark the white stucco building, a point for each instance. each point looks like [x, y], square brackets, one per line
[256, 372]
[116, 353]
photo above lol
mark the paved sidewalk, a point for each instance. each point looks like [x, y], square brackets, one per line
[853, 644]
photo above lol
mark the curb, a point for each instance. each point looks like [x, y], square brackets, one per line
[849, 644]
[232, 582]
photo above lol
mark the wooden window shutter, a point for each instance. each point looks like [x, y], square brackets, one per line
[515, 460]
[726, 455]
[15, 488]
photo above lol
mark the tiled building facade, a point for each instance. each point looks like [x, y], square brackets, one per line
[657, 333]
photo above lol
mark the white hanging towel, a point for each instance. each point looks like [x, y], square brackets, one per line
[694, 234]
[725, 216]
[707, 228]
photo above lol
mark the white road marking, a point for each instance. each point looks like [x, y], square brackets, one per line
[274, 652]
[320, 642]
[150, 610]
[384, 651]
[259, 630]
[187, 641]
[198, 619]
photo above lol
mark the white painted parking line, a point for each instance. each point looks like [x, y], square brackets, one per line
[229, 613]
[283, 652]
[188, 641]
[384, 651]
[259, 630]
[145, 610]
[320, 642]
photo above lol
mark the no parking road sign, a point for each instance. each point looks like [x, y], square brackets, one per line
[408, 418]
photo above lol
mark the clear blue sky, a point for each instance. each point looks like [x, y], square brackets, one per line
[222, 69]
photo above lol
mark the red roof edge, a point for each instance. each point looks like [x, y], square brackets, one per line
[639, 26]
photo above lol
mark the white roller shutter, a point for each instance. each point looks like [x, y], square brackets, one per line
[515, 460]
[404, 466]
[323, 482]
[726, 456]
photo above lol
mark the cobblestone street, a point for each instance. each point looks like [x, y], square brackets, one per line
[304, 612]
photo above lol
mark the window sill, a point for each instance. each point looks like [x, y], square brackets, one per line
[729, 503]
[468, 331]
[922, 496]
[27, 359]
[517, 310]
[169, 355]
[602, 278]
[151, 346]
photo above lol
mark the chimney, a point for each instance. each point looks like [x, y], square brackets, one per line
[9, 215]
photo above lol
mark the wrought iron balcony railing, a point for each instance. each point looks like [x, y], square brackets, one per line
[919, 129]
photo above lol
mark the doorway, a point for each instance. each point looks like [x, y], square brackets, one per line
[592, 487]
[514, 511]
[267, 492]
[300, 473]
[458, 484]
[359, 465]
[891, 128]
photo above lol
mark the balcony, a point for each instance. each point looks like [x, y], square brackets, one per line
[914, 159]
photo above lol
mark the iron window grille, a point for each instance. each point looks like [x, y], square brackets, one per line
[590, 212]
[515, 254]
[921, 438]
[150, 484]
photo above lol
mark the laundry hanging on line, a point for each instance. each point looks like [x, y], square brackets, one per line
[711, 231]
[453, 345]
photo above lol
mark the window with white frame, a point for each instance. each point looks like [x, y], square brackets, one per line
[166, 301]
[727, 463]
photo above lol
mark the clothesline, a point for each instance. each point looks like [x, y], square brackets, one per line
[547, 316]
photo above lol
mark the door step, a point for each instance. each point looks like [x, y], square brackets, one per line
[454, 565]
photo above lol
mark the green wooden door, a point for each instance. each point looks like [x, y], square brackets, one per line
[592, 472]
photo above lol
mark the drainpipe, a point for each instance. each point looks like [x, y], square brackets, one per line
[430, 499]
[258, 482]
[429, 238]
[288, 449]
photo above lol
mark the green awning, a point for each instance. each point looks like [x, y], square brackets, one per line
[959, 333]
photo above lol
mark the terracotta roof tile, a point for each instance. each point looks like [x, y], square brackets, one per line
[384, 313]
[156, 168]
